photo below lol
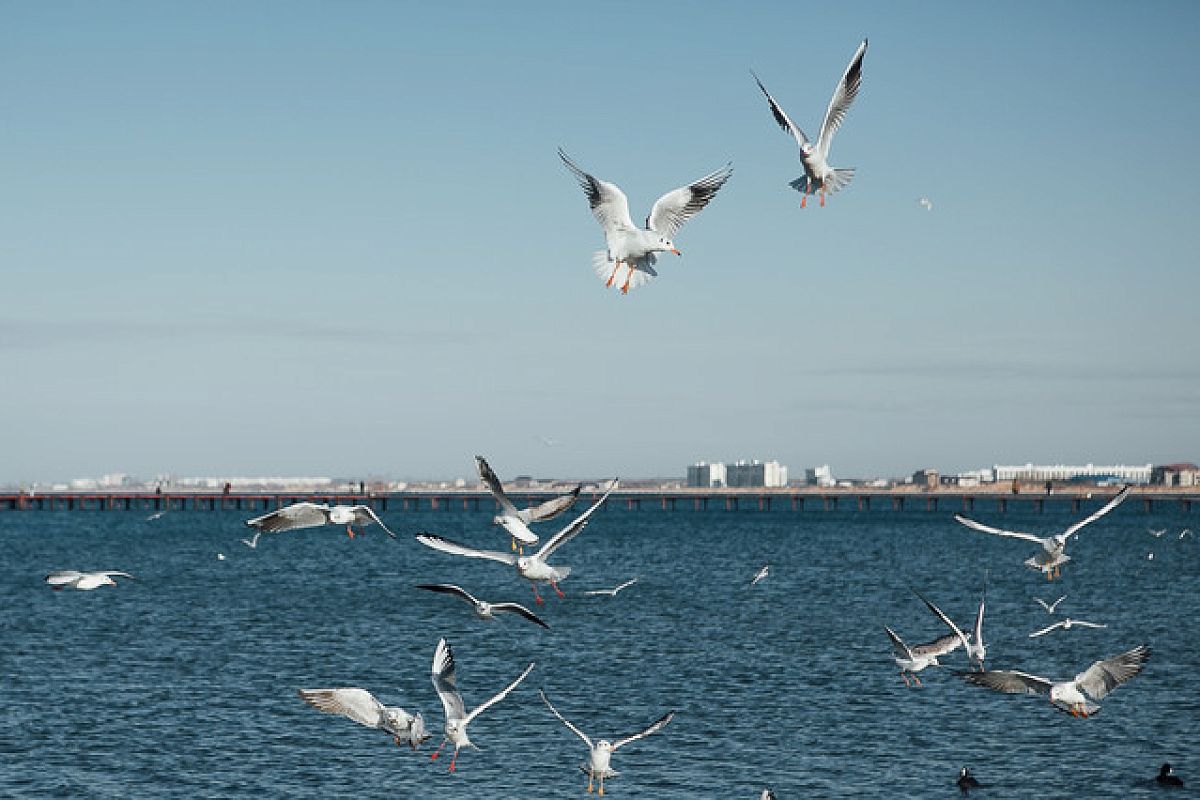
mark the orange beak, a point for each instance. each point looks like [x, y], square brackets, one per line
[676, 252]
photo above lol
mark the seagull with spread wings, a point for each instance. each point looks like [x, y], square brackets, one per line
[362, 707]
[1049, 607]
[1051, 557]
[1071, 696]
[314, 515]
[631, 248]
[531, 567]
[973, 642]
[818, 176]
[83, 581]
[516, 521]
[912, 660]
[600, 752]
[1066, 624]
[457, 718]
[613, 591]
[483, 609]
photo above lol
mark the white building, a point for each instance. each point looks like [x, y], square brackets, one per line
[819, 476]
[756, 473]
[1063, 472]
[705, 475]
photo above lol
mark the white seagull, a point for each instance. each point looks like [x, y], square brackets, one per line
[533, 568]
[83, 581]
[632, 248]
[362, 707]
[1066, 624]
[925, 203]
[1156, 533]
[818, 176]
[1185, 532]
[457, 717]
[1052, 556]
[1049, 608]
[762, 574]
[156, 515]
[252, 542]
[600, 752]
[483, 609]
[912, 660]
[314, 515]
[516, 521]
[613, 591]
[973, 643]
[1096, 681]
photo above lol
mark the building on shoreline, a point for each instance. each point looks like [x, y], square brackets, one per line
[1062, 472]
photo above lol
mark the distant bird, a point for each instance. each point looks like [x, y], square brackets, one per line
[1185, 532]
[818, 176]
[973, 643]
[548, 441]
[925, 203]
[762, 574]
[533, 568]
[1049, 608]
[515, 521]
[457, 718]
[767, 794]
[220, 556]
[912, 660]
[1052, 556]
[1150, 556]
[613, 591]
[1166, 777]
[1066, 624]
[314, 515]
[483, 610]
[83, 581]
[1096, 681]
[253, 541]
[600, 752]
[361, 706]
[1157, 534]
[629, 246]
[156, 515]
[966, 781]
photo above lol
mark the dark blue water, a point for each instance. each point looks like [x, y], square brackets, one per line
[183, 683]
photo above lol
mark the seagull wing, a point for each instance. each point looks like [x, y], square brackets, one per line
[939, 646]
[979, 526]
[449, 588]
[1054, 605]
[115, 574]
[977, 631]
[495, 487]
[551, 508]
[578, 524]
[781, 116]
[62, 577]
[942, 616]
[356, 704]
[365, 515]
[454, 548]
[1104, 509]
[898, 644]
[517, 608]
[609, 204]
[1009, 681]
[445, 682]
[679, 205]
[1086, 624]
[657, 726]
[566, 721]
[624, 585]
[843, 96]
[1046, 630]
[503, 693]
[1103, 676]
[1042, 603]
[298, 515]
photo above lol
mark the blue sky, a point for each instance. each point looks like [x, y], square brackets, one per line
[334, 238]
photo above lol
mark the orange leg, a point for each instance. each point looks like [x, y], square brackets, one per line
[537, 597]
[804, 201]
[434, 755]
[453, 760]
[350, 531]
[822, 198]
[557, 590]
[625, 288]
[613, 276]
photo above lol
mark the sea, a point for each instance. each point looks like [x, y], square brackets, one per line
[183, 682]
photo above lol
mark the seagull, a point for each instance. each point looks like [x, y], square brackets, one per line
[762, 574]
[83, 581]
[925, 203]
[912, 660]
[220, 556]
[628, 245]
[1066, 624]
[156, 515]
[818, 176]
[1157, 534]
[1051, 557]
[966, 781]
[483, 610]
[457, 717]
[1185, 532]
[976, 650]
[313, 515]
[767, 794]
[613, 591]
[362, 707]
[533, 568]
[253, 541]
[600, 752]
[1096, 681]
[1049, 608]
[515, 521]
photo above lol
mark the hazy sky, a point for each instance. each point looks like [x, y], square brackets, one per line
[334, 238]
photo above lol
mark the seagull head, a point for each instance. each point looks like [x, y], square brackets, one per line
[523, 563]
[604, 746]
[666, 245]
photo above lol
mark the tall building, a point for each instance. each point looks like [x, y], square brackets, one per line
[819, 476]
[756, 473]
[705, 475]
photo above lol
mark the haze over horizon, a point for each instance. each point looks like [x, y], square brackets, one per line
[335, 239]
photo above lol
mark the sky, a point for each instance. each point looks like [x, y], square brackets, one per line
[334, 238]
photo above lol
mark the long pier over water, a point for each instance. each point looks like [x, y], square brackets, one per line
[804, 499]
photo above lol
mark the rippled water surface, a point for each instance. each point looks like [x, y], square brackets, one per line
[183, 682]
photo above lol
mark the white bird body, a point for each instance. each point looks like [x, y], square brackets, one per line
[1066, 624]
[516, 521]
[819, 176]
[598, 766]
[457, 718]
[761, 575]
[912, 660]
[629, 246]
[362, 707]
[314, 515]
[483, 609]
[83, 581]
[1052, 556]
[1049, 608]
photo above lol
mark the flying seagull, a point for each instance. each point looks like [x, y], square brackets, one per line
[483, 610]
[912, 660]
[1156, 532]
[457, 718]
[1049, 608]
[533, 568]
[362, 707]
[818, 176]
[1052, 556]
[976, 650]
[613, 591]
[313, 515]
[515, 521]
[252, 542]
[600, 752]
[761, 575]
[1066, 624]
[1096, 681]
[83, 581]
[925, 203]
[629, 246]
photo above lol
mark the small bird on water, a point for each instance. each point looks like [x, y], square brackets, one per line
[1167, 778]
[966, 781]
